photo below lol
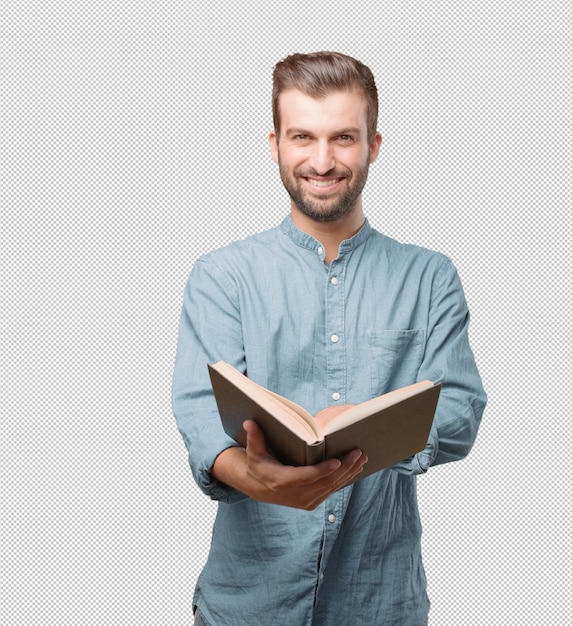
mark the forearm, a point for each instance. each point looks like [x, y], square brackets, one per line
[230, 468]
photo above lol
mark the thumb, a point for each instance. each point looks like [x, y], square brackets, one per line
[255, 443]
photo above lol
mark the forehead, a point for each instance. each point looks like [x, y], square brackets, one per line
[338, 110]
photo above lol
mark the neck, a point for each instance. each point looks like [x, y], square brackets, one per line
[330, 234]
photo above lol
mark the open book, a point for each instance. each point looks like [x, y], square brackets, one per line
[388, 429]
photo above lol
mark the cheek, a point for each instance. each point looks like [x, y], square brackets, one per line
[356, 154]
[290, 160]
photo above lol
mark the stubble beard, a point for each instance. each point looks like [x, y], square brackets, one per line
[325, 209]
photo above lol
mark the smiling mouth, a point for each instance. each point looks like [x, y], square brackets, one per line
[323, 183]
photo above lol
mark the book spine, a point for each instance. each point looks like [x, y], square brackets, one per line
[315, 453]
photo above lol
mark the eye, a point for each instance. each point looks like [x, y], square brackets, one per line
[300, 137]
[345, 138]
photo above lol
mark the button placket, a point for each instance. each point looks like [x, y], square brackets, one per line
[335, 315]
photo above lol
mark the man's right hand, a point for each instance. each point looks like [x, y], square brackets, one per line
[256, 473]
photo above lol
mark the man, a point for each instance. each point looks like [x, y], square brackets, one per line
[326, 311]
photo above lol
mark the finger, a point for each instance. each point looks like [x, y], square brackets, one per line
[311, 474]
[255, 442]
[354, 461]
[351, 465]
[353, 458]
[331, 475]
[348, 468]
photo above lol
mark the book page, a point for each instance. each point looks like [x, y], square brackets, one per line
[300, 413]
[296, 418]
[359, 411]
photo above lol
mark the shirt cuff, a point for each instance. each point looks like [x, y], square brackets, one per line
[419, 463]
[213, 488]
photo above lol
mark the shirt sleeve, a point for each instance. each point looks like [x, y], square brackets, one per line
[448, 358]
[209, 330]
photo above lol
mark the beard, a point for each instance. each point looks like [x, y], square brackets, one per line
[325, 209]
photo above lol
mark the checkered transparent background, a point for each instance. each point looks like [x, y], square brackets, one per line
[134, 140]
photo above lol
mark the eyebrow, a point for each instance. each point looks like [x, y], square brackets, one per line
[301, 131]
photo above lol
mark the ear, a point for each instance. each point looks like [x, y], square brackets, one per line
[273, 141]
[374, 146]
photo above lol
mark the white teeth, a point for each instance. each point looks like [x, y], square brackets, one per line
[323, 183]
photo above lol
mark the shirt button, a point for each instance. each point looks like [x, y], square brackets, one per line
[331, 518]
[334, 339]
[320, 250]
[336, 395]
[334, 281]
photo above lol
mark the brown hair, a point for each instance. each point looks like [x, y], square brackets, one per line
[321, 73]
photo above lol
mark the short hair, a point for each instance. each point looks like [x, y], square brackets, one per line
[319, 74]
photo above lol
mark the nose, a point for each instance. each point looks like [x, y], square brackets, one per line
[322, 159]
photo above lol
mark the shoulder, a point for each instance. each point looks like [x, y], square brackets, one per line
[399, 253]
[237, 262]
[254, 245]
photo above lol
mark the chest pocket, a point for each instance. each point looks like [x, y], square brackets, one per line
[395, 358]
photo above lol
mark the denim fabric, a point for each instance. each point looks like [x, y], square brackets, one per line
[380, 316]
[200, 622]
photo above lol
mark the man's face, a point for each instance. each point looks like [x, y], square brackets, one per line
[323, 152]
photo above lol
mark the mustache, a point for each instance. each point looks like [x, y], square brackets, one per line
[333, 173]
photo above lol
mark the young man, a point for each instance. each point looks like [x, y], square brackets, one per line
[326, 311]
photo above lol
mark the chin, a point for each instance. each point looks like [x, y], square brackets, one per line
[326, 214]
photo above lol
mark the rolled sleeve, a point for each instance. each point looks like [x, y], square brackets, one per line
[209, 330]
[449, 359]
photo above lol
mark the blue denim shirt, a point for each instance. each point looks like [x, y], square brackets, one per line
[380, 316]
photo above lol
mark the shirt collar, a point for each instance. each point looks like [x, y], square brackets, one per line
[303, 239]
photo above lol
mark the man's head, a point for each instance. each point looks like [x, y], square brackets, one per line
[319, 74]
[325, 138]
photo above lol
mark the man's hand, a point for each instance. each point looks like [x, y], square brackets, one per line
[257, 474]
